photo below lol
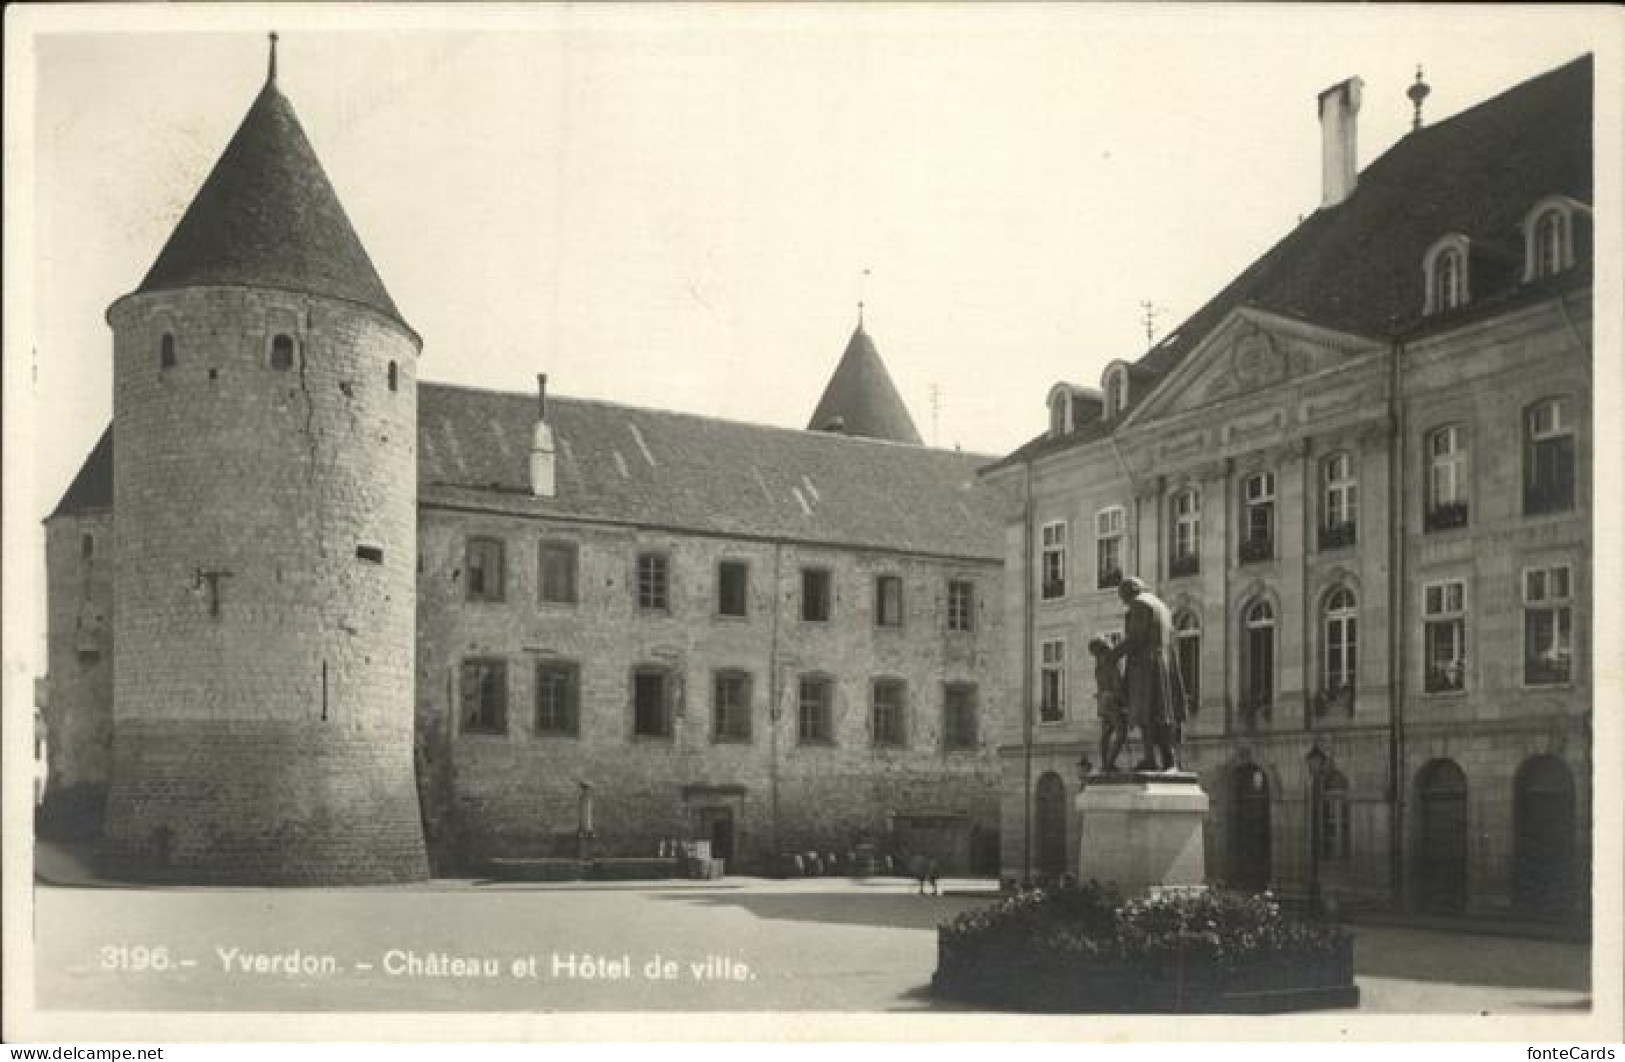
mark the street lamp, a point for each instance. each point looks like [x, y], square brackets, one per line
[1316, 760]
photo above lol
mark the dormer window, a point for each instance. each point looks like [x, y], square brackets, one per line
[1116, 391]
[1069, 406]
[1446, 268]
[1549, 237]
[1059, 415]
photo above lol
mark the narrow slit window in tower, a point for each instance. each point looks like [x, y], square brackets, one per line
[282, 352]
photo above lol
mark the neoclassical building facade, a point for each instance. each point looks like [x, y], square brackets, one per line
[1359, 476]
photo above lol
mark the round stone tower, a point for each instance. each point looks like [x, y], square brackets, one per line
[265, 493]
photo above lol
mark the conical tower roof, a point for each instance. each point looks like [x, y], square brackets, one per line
[861, 399]
[267, 217]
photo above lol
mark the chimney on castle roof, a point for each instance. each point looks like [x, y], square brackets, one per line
[542, 461]
[1339, 107]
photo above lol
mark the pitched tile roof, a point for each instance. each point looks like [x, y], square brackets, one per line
[863, 398]
[653, 468]
[648, 467]
[92, 488]
[1357, 267]
[267, 216]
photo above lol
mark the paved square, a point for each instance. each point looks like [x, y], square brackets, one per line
[741, 944]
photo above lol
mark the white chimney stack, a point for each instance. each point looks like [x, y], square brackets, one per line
[541, 445]
[1339, 107]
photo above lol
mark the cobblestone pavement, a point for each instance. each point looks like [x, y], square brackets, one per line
[736, 945]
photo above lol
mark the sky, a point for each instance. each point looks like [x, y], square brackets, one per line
[681, 207]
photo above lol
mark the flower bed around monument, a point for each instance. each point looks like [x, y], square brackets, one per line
[1081, 949]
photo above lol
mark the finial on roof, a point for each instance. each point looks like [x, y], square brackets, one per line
[1418, 92]
[270, 75]
[863, 282]
[860, 315]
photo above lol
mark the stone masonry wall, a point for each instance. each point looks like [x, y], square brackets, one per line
[247, 612]
[515, 793]
[79, 553]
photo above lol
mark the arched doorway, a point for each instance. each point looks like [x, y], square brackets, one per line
[1441, 842]
[1249, 828]
[1051, 801]
[1543, 837]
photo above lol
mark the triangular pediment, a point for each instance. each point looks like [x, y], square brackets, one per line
[1250, 350]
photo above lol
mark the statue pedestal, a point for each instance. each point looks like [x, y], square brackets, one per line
[1142, 831]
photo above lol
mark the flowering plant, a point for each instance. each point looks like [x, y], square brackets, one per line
[1213, 927]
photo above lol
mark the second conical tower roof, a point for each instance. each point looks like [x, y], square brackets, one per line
[268, 217]
[861, 398]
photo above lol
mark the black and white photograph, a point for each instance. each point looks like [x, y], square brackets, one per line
[889, 522]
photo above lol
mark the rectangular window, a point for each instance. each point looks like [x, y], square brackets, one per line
[1054, 561]
[87, 545]
[815, 594]
[484, 696]
[1446, 480]
[959, 726]
[1548, 626]
[557, 698]
[961, 604]
[1548, 484]
[1444, 635]
[1108, 548]
[1186, 534]
[1052, 682]
[651, 702]
[654, 583]
[730, 706]
[485, 569]
[1340, 503]
[886, 712]
[888, 601]
[814, 718]
[733, 583]
[556, 572]
[1258, 525]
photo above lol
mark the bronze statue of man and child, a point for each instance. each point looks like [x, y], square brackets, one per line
[1148, 692]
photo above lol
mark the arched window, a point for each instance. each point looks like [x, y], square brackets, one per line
[1332, 817]
[166, 351]
[394, 376]
[1549, 237]
[1186, 530]
[1550, 244]
[1338, 649]
[1445, 267]
[1446, 479]
[282, 349]
[1548, 457]
[1258, 663]
[1116, 391]
[1188, 651]
[1340, 502]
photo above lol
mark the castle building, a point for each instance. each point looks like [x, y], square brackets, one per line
[314, 619]
[1360, 478]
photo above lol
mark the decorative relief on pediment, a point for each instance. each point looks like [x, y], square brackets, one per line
[1208, 471]
[1257, 360]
